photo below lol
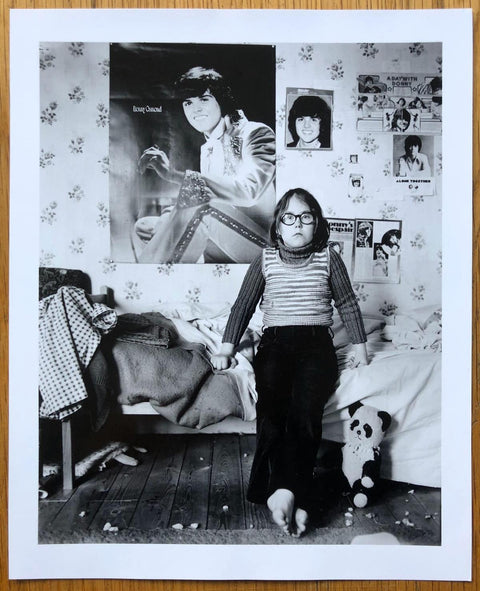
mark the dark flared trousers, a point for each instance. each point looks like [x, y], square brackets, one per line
[295, 371]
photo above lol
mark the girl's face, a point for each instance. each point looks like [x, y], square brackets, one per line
[202, 112]
[307, 128]
[298, 234]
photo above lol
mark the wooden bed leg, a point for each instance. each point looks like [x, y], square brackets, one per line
[67, 455]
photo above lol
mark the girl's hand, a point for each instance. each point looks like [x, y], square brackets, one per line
[220, 361]
[359, 356]
[157, 160]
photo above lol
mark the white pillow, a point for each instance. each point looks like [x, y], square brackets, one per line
[341, 338]
[423, 315]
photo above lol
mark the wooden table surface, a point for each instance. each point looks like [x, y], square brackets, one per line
[91, 585]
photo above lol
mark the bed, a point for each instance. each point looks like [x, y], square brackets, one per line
[403, 378]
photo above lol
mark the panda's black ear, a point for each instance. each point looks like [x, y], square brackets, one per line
[352, 409]
[385, 418]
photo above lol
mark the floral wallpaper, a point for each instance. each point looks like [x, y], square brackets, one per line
[74, 166]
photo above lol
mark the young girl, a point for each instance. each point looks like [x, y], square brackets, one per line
[295, 365]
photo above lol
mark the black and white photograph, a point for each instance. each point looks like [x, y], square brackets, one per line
[310, 113]
[414, 158]
[192, 152]
[377, 251]
[400, 102]
[401, 119]
[364, 234]
[341, 238]
[356, 186]
[239, 359]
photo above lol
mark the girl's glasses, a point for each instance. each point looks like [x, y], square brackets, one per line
[307, 218]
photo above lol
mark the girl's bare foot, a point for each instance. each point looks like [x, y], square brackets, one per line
[301, 521]
[281, 504]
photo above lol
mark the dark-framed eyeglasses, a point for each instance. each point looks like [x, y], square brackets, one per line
[307, 218]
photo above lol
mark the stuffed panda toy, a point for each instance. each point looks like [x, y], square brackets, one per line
[361, 452]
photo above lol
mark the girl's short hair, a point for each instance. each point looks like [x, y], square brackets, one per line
[322, 231]
[196, 81]
[413, 140]
[311, 106]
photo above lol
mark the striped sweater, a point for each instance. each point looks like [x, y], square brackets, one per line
[296, 293]
[296, 287]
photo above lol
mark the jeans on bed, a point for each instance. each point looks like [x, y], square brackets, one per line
[295, 372]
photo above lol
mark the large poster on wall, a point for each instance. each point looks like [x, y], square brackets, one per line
[192, 152]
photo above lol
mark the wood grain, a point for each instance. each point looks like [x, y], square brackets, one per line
[155, 504]
[191, 498]
[5, 5]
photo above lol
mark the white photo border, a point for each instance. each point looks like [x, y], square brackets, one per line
[451, 560]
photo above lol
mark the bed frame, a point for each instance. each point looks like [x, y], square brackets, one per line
[142, 416]
[416, 426]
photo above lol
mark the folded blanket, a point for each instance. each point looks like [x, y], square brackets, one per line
[176, 379]
[152, 328]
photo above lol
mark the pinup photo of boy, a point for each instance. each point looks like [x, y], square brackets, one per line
[192, 152]
[412, 155]
[309, 121]
[370, 84]
[401, 119]
[364, 236]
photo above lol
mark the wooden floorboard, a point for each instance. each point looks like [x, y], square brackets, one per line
[79, 512]
[47, 511]
[379, 512]
[203, 479]
[333, 504]
[430, 501]
[190, 505]
[121, 500]
[256, 516]
[155, 503]
[407, 512]
[361, 520]
[226, 502]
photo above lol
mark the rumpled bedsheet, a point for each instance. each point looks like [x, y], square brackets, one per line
[173, 374]
[419, 329]
[406, 384]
